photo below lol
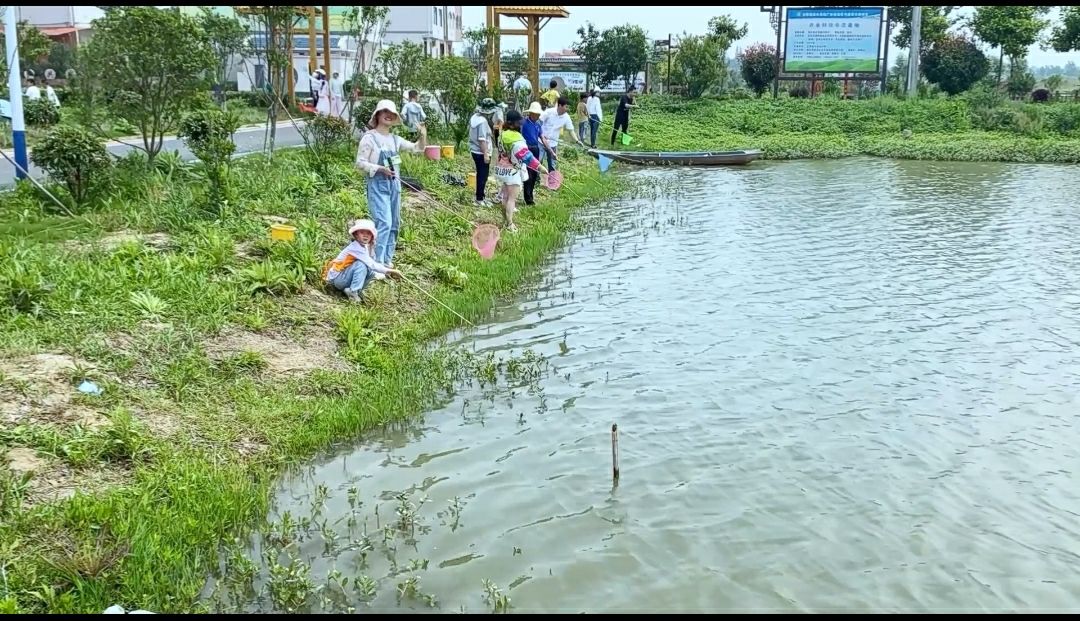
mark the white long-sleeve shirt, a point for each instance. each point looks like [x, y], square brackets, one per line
[592, 106]
[372, 146]
[352, 253]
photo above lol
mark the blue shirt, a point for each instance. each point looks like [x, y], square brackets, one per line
[530, 130]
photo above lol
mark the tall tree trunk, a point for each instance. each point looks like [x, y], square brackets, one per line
[1001, 64]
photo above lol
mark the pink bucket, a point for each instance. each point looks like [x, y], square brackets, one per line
[433, 152]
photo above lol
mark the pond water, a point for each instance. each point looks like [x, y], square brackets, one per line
[840, 385]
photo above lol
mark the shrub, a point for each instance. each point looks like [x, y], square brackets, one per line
[758, 66]
[41, 113]
[1040, 95]
[75, 156]
[800, 92]
[955, 64]
[208, 133]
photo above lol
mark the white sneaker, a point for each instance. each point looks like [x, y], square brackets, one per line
[380, 276]
[353, 296]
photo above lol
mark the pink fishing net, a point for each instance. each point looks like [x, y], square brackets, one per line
[554, 180]
[484, 238]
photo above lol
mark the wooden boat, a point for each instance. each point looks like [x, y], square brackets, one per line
[681, 158]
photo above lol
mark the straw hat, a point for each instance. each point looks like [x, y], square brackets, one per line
[384, 104]
[534, 108]
[363, 225]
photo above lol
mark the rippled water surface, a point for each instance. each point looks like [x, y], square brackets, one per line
[842, 385]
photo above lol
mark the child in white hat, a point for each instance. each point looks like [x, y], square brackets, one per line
[354, 266]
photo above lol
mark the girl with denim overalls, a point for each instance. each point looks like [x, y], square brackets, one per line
[380, 156]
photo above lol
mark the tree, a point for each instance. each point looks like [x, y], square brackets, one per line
[1010, 29]
[208, 133]
[276, 21]
[724, 28]
[75, 156]
[227, 37]
[453, 80]
[1053, 83]
[516, 63]
[478, 45]
[758, 65]
[695, 65]
[724, 31]
[400, 64]
[589, 48]
[153, 63]
[624, 51]
[955, 64]
[1021, 81]
[1066, 35]
[33, 44]
[367, 25]
[936, 21]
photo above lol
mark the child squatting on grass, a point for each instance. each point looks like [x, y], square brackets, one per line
[354, 266]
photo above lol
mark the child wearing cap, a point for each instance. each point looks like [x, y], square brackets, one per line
[514, 159]
[379, 155]
[354, 267]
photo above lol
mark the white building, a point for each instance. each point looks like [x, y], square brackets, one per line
[69, 24]
[437, 28]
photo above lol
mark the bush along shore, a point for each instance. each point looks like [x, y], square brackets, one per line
[161, 359]
[977, 126]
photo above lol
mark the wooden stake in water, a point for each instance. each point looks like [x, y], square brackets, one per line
[615, 453]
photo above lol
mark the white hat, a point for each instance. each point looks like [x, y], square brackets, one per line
[384, 104]
[534, 108]
[363, 225]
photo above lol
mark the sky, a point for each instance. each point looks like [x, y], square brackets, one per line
[662, 20]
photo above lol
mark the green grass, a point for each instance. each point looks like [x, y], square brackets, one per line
[966, 129]
[853, 65]
[185, 321]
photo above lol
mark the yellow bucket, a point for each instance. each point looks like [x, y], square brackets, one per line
[448, 150]
[282, 232]
[470, 180]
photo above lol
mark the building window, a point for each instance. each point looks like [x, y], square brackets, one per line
[435, 15]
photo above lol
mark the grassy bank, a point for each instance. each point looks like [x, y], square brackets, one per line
[221, 359]
[966, 129]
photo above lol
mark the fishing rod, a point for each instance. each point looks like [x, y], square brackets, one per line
[436, 300]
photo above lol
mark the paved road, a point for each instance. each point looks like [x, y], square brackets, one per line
[248, 140]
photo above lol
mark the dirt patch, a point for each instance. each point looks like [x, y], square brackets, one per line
[24, 461]
[39, 389]
[52, 480]
[283, 354]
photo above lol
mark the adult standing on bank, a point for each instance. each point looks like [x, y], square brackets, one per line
[337, 95]
[554, 122]
[482, 143]
[596, 114]
[379, 155]
[622, 113]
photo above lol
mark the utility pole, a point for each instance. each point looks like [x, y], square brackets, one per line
[913, 53]
[667, 85]
[18, 125]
